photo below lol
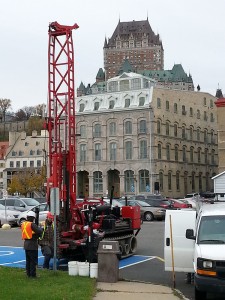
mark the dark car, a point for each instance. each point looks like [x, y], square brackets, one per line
[164, 203]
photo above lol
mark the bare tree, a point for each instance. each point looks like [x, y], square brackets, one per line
[5, 104]
[29, 110]
[20, 115]
[40, 109]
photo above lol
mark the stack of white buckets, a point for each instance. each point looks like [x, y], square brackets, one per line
[83, 269]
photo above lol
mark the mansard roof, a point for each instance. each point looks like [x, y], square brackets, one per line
[136, 29]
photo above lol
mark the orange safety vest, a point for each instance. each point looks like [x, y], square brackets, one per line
[27, 231]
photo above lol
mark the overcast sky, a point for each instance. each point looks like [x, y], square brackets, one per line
[192, 33]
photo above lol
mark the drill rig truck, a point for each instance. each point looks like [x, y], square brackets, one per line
[81, 225]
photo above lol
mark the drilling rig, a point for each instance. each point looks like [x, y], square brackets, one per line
[81, 225]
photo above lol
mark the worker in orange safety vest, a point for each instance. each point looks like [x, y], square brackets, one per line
[30, 234]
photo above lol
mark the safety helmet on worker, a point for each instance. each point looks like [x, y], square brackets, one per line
[31, 214]
[50, 216]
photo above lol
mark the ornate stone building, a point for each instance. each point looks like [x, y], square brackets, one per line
[143, 139]
[136, 42]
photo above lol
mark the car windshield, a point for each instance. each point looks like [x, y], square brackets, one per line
[211, 230]
[31, 202]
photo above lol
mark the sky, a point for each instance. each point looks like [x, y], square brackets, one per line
[192, 33]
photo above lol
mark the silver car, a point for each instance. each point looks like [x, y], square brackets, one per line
[8, 216]
[43, 210]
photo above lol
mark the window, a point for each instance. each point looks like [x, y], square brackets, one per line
[175, 130]
[212, 137]
[200, 181]
[83, 131]
[198, 134]
[168, 152]
[112, 128]
[97, 182]
[206, 136]
[128, 150]
[144, 185]
[198, 114]
[39, 152]
[13, 153]
[191, 112]
[21, 153]
[111, 104]
[199, 155]
[81, 107]
[141, 101]
[175, 108]
[135, 83]
[211, 117]
[31, 163]
[205, 116]
[184, 154]
[143, 149]
[142, 128]
[158, 127]
[176, 153]
[129, 181]
[158, 103]
[169, 181]
[192, 154]
[128, 127]
[167, 105]
[127, 102]
[31, 152]
[159, 151]
[24, 164]
[204, 101]
[211, 103]
[11, 164]
[213, 157]
[206, 156]
[183, 110]
[97, 130]
[97, 151]
[18, 164]
[161, 180]
[113, 86]
[96, 106]
[124, 85]
[193, 181]
[191, 133]
[83, 152]
[112, 151]
[38, 163]
[167, 128]
[26, 143]
[183, 133]
[177, 181]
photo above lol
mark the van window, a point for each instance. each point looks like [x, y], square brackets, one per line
[9, 202]
[211, 230]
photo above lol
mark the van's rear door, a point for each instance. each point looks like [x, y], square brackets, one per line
[176, 223]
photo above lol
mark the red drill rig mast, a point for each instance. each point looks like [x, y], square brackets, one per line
[61, 114]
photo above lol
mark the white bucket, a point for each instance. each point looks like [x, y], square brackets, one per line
[73, 268]
[94, 270]
[83, 268]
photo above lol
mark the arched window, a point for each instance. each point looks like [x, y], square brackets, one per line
[128, 150]
[158, 127]
[159, 151]
[112, 128]
[177, 181]
[169, 181]
[97, 182]
[128, 127]
[168, 152]
[129, 181]
[144, 185]
[167, 128]
[161, 180]
[176, 153]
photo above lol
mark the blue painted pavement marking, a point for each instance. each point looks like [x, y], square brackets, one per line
[133, 260]
[15, 257]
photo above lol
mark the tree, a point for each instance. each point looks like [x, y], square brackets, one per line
[5, 104]
[27, 182]
[35, 123]
[40, 110]
[20, 115]
[28, 110]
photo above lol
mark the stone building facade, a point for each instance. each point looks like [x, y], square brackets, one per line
[141, 139]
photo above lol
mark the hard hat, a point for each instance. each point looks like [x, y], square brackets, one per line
[31, 214]
[50, 216]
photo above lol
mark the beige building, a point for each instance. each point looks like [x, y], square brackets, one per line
[142, 139]
[220, 103]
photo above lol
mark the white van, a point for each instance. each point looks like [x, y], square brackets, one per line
[196, 244]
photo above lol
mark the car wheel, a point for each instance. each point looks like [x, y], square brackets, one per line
[21, 221]
[199, 295]
[149, 216]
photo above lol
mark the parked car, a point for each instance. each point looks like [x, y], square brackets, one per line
[115, 202]
[164, 203]
[148, 213]
[20, 204]
[8, 216]
[178, 204]
[43, 210]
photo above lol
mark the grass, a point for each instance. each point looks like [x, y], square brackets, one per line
[57, 285]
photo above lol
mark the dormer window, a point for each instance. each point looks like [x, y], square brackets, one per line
[96, 105]
[31, 152]
[111, 104]
[81, 108]
[127, 102]
[13, 153]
